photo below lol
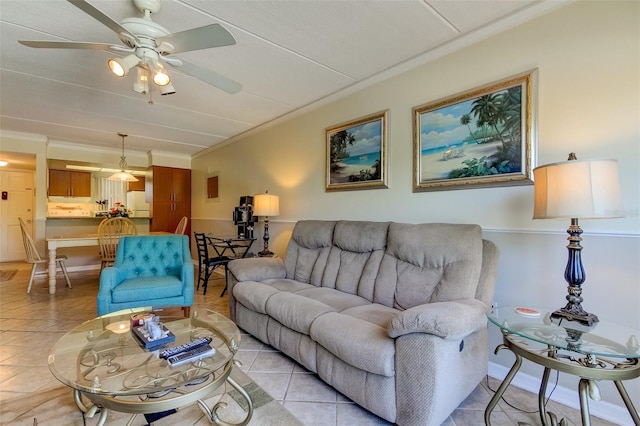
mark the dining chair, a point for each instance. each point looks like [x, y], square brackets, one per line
[182, 225]
[109, 233]
[206, 264]
[33, 256]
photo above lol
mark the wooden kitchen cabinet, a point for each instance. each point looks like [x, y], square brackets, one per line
[65, 183]
[171, 198]
[136, 186]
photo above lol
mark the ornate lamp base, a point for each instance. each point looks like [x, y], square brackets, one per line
[583, 318]
[575, 276]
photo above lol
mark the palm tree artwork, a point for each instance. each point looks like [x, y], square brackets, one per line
[355, 151]
[492, 119]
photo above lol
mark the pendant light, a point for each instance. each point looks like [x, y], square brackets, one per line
[123, 176]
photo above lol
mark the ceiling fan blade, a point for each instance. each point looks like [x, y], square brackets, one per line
[104, 19]
[210, 77]
[70, 45]
[213, 35]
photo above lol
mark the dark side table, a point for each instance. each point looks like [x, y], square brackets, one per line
[604, 351]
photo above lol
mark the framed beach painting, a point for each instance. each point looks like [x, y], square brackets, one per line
[480, 138]
[356, 154]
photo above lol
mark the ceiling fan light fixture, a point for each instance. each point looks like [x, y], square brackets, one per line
[141, 84]
[121, 66]
[161, 78]
[167, 90]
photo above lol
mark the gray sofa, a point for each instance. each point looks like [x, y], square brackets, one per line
[391, 315]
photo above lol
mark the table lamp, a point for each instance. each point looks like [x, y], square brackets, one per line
[266, 205]
[576, 190]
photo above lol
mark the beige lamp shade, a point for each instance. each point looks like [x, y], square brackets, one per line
[577, 189]
[266, 205]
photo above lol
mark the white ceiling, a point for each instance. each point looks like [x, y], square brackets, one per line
[289, 55]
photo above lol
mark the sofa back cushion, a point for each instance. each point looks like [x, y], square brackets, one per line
[395, 264]
[430, 262]
[308, 250]
[354, 259]
[152, 255]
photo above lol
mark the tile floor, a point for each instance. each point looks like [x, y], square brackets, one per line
[31, 324]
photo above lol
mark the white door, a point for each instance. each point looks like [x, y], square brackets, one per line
[16, 200]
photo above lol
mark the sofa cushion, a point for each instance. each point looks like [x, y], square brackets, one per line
[338, 300]
[374, 313]
[294, 311]
[427, 263]
[290, 286]
[147, 289]
[354, 259]
[308, 249]
[254, 295]
[357, 342]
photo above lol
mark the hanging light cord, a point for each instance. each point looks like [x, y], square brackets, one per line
[123, 161]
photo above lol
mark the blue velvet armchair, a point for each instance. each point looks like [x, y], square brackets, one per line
[149, 270]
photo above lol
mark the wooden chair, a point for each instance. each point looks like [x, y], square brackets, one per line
[34, 257]
[182, 225]
[109, 233]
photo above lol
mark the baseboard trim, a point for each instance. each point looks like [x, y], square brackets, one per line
[617, 414]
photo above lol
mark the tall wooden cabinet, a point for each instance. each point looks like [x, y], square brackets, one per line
[171, 198]
[65, 183]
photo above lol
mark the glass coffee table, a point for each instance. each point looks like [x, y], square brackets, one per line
[108, 369]
[603, 351]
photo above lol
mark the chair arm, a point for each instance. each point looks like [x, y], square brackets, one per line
[110, 277]
[448, 320]
[187, 277]
[257, 268]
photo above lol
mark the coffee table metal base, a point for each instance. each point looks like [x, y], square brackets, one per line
[182, 398]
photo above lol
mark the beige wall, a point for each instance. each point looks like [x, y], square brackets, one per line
[587, 55]
[588, 60]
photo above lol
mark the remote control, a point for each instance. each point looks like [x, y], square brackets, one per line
[192, 355]
[202, 341]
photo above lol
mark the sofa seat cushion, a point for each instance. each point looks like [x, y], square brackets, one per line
[294, 311]
[287, 285]
[147, 288]
[375, 313]
[357, 342]
[338, 300]
[254, 295]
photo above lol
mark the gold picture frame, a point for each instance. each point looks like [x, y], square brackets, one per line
[480, 138]
[356, 154]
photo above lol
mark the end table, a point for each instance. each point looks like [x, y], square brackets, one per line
[603, 351]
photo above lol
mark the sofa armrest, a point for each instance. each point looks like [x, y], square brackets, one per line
[187, 277]
[448, 320]
[257, 268]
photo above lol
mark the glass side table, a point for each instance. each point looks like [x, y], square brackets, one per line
[604, 351]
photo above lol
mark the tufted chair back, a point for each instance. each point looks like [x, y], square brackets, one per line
[151, 256]
[149, 270]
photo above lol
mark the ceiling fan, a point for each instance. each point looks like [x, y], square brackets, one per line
[147, 45]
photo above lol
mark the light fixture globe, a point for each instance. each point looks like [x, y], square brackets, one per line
[161, 78]
[122, 176]
[121, 66]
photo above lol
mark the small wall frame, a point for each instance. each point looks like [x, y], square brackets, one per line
[212, 187]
